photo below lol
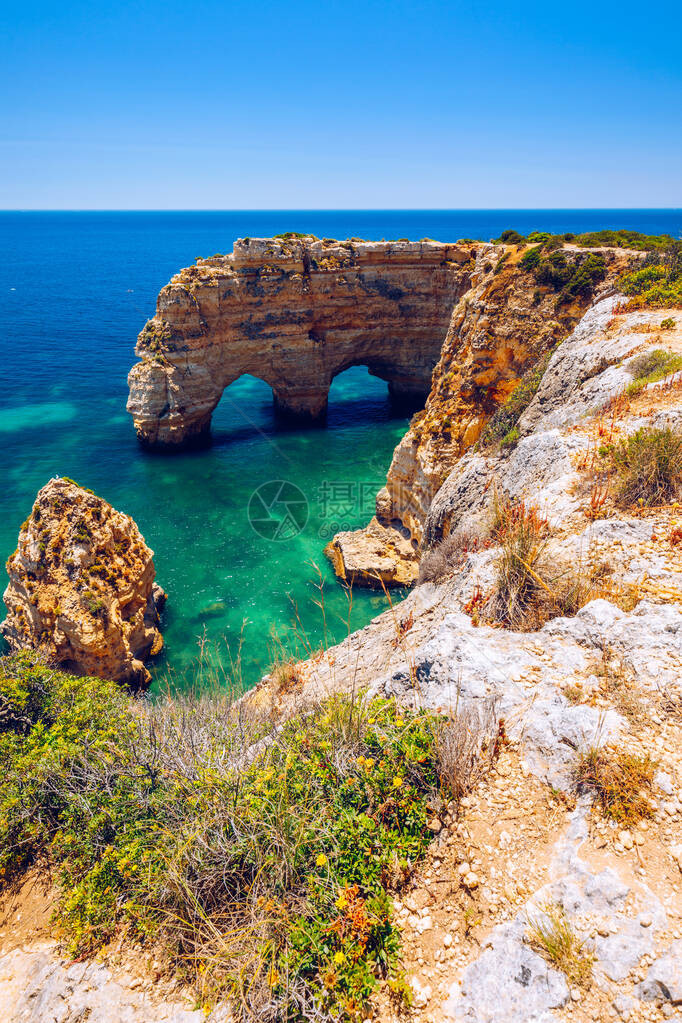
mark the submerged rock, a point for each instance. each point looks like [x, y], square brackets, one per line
[82, 586]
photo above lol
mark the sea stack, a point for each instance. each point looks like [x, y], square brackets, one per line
[82, 587]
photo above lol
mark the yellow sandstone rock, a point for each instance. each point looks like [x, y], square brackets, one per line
[82, 587]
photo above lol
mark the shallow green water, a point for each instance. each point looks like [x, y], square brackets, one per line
[75, 290]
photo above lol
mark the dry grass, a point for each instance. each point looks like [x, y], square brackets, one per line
[520, 589]
[617, 686]
[551, 935]
[533, 584]
[467, 747]
[442, 560]
[286, 675]
[621, 782]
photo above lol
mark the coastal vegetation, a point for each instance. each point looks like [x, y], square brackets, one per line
[572, 275]
[621, 782]
[647, 466]
[552, 935]
[651, 367]
[657, 283]
[261, 858]
[590, 239]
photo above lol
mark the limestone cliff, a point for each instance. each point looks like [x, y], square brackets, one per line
[82, 586]
[498, 329]
[601, 680]
[294, 312]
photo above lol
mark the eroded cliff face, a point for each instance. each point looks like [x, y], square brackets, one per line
[602, 680]
[82, 586]
[499, 328]
[295, 313]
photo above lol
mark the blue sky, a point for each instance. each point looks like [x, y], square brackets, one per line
[209, 105]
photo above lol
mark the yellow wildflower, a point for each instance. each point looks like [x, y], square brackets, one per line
[339, 958]
[369, 763]
[397, 782]
[321, 860]
[399, 722]
[341, 902]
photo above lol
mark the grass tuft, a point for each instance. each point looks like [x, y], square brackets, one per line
[443, 559]
[622, 782]
[520, 588]
[551, 935]
[647, 466]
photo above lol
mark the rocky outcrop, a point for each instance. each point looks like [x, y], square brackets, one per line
[527, 847]
[37, 985]
[375, 557]
[294, 312]
[82, 587]
[499, 328]
[588, 371]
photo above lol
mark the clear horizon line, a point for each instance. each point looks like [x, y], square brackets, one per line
[346, 209]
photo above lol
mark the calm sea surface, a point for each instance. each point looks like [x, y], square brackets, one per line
[76, 288]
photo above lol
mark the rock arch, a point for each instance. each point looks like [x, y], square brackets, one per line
[294, 313]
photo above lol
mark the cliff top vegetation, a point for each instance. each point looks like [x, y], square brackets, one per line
[260, 858]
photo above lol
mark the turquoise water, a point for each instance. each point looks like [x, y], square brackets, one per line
[76, 288]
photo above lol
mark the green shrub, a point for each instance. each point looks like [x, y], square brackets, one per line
[264, 868]
[652, 367]
[290, 235]
[511, 237]
[668, 323]
[511, 438]
[572, 275]
[647, 466]
[658, 281]
[624, 239]
[531, 259]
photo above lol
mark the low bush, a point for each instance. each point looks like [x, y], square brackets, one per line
[647, 466]
[260, 858]
[294, 235]
[573, 275]
[511, 237]
[657, 283]
[651, 367]
[622, 782]
[592, 239]
[624, 239]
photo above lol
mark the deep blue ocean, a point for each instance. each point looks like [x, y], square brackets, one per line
[76, 288]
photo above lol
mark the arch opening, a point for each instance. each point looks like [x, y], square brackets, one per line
[246, 404]
[357, 394]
